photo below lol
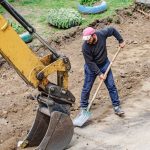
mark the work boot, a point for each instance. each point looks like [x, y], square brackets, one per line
[118, 111]
[78, 119]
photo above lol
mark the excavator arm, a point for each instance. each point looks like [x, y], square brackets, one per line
[52, 128]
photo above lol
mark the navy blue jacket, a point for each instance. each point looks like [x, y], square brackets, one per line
[96, 54]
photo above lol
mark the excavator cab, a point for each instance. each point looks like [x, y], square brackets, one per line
[53, 127]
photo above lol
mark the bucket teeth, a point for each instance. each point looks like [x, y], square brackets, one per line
[24, 144]
[52, 132]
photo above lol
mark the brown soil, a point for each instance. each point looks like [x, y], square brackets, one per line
[131, 69]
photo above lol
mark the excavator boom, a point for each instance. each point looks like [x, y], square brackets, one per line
[52, 128]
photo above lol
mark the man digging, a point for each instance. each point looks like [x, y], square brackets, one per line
[96, 63]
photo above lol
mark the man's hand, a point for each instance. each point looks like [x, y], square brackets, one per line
[122, 45]
[102, 77]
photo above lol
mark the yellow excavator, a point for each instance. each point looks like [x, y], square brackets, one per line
[52, 128]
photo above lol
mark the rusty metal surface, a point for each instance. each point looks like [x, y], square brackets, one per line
[38, 130]
[59, 132]
[52, 132]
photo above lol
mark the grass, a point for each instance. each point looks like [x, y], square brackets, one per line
[17, 27]
[1, 10]
[112, 6]
[39, 12]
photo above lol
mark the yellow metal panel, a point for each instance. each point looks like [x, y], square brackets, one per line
[46, 60]
[17, 53]
[65, 80]
[58, 65]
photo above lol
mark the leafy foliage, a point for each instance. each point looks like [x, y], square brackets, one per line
[17, 27]
[64, 18]
[88, 2]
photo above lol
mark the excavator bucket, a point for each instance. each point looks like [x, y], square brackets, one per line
[52, 132]
[52, 128]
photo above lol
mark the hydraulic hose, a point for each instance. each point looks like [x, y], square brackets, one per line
[26, 25]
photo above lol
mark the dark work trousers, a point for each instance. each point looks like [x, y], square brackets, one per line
[89, 80]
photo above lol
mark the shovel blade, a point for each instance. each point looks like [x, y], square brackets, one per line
[82, 118]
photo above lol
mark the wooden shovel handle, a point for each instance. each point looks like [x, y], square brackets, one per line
[100, 84]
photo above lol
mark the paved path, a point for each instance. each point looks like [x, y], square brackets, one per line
[113, 133]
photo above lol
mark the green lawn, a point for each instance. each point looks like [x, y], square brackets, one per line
[36, 11]
[112, 6]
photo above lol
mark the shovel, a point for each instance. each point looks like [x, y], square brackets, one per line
[86, 113]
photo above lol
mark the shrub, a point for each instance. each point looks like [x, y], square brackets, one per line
[64, 18]
[17, 27]
[88, 2]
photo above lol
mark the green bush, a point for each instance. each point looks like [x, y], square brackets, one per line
[88, 2]
[64, 18]
[17, 27]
